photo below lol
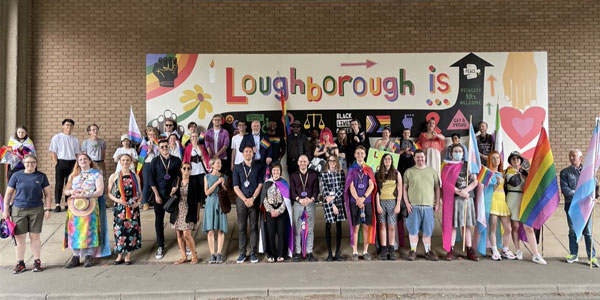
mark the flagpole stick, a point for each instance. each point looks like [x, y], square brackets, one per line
[592, 235]
[466, 204]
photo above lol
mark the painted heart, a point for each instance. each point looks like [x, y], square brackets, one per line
[522, 127]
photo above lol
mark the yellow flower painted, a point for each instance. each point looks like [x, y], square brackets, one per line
[197, 99]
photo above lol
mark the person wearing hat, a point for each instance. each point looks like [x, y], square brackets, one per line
[31, 205]
[84, 230]
[64, 149]
[515, 180]
[297, 145]
[126, 193]
[125, 149]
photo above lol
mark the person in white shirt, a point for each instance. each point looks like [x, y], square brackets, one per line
[126, 149]
[64, 149]
[236, 156]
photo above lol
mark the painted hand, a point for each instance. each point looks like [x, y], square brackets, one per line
[519, 79]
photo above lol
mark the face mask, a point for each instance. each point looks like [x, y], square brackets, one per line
[457, 156]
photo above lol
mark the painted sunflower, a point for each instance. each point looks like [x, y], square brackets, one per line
[197, 100]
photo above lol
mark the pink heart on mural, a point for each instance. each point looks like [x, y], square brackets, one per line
[522, 128]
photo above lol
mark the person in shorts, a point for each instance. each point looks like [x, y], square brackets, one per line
[388, 199]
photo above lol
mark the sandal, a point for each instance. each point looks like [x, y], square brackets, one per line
[181, 261]
[280, 259]
[194, 259]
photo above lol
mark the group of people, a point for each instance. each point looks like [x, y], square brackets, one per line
[181, 173]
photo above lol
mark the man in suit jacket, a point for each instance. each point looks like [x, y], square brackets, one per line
[260, 145]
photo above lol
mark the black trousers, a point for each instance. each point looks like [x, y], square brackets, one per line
[243, 213]
[159, 221]
[276, 227]
[147, 194]
[62, 170]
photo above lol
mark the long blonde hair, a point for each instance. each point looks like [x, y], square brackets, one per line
[77, 168]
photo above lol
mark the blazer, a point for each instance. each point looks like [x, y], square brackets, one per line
[209, 141]
[248, 140]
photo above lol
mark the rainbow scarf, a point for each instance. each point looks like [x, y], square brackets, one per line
[122, 192]
[540, 193]
[353, 172]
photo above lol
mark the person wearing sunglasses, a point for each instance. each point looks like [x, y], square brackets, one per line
[31, 205]
[185, 218]
[164, 170]
[170, 128]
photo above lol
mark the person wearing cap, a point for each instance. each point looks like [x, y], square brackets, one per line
[84, 230]
[126, 193]
[297, 145]
[125, 149]
[514, 177]
[29, 192]
[64, 149]
[568, 183]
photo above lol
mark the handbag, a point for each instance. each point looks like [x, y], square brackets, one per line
[224, 201]
[169, 206]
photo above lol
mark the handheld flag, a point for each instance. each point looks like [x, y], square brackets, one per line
[473, 152]
[134, 131]
[540, 193]
[583, 200]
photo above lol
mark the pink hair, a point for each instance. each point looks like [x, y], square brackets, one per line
[326, 131]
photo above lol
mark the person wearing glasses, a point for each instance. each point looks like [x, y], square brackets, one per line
[164, 170]
[64, 149]
[29, 192]
[170, 128]
[332, 181]
[185, 218]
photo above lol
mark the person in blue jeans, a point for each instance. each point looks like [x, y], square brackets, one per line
[568, 183]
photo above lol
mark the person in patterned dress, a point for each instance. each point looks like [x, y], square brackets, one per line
[83, 232]
[185, 217]
[126, 194]
[332, 181]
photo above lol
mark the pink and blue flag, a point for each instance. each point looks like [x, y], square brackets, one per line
[134, 131]
[583, 200]
[473, 152]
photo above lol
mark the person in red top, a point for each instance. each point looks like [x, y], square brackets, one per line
[433, 144]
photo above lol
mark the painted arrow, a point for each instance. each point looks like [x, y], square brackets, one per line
[491, 79]
[368, 63]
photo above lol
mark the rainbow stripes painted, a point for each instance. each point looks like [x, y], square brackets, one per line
[583, 200]
[540, 194]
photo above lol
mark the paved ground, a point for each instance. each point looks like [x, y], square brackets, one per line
[149, 278]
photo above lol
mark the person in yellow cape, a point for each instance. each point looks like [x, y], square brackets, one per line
[359, 197]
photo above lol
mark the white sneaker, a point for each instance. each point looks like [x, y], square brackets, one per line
[539, 260]
[506, 253]
[519, 255]
[496, 256]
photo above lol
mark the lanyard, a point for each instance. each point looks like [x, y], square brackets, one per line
[167, 165]
[248, 173]
[303, 182]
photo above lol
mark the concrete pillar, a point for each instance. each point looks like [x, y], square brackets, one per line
[14, 50]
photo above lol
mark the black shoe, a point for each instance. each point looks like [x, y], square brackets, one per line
[57, 209]
[88, 261]
[160, 252]
[241, 258]
[391, 254]
[296, 258]
[37, 265]
[118, 262]
[383, 255]
[74, 262]
[338, 257]
[329, 257]
[310, 257]
[19, 268]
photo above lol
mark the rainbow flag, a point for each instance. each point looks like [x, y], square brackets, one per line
[395, 145]
[284, 116]
[265, 144]
[415, 147]
[540, 193]
[485, 175]
[201, 137]
[274, 139]
[583, 200]
[143, 153]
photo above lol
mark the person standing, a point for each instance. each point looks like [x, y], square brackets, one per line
[64, 149]
[21, 145]
[277, 142]
[247, 184]
[31, 205]
[274, 197]
[485, 143]
[164, 171]
[421, 186]
[388, 201]
[149, 147]
[126, 193]
[568, 183]
[214, 218]
[356, 137]
[433, 145]
[236, 155]
[407, 151]
[260, 146]
[333, 179]
[184, 218]
[304, 190]
[216, 141]
[95, 147]
[297, 146]
[198, 157]
[456, 141]
[125, 149]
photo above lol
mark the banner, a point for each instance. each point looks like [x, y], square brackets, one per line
[328, 90]
[374, 158]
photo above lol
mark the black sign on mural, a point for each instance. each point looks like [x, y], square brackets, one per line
[455, 119]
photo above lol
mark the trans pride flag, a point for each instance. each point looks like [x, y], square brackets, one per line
[540, 193]
[583, 200]
[135, 136]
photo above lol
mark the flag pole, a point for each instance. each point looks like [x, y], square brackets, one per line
[467, 198]
[592, 234]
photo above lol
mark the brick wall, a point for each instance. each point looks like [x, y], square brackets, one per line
[87, 57]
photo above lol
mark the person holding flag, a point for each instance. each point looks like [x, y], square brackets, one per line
[359, 196]
[580, 201]
[407, 150]
[499, 209]
[18, 146]
[148, 150]
[261, 146]
[458, 186]
[514, 177]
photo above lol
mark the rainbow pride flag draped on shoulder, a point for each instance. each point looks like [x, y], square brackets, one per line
[144, 152]
[583, 200]
[353, 171]
[540, 193]
[450, 171]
